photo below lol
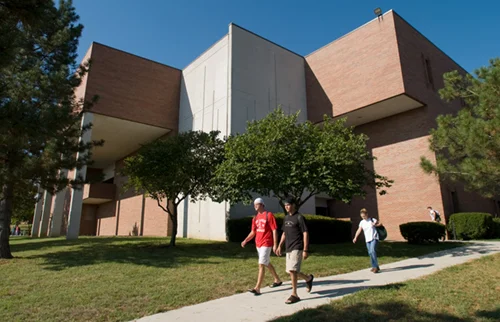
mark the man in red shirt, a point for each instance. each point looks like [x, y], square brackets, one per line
[264, 229]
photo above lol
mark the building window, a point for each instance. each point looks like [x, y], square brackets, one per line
[428, 72]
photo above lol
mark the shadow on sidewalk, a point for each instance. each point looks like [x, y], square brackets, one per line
[469, 249]
[403, 268]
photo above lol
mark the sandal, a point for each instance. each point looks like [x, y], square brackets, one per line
[276, 284]
[254, 291]
[309, 285]
[292, 299]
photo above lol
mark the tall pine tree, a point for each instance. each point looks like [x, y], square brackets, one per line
[467, 145]
[40, 117]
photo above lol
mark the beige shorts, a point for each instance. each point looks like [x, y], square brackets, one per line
[293, 261]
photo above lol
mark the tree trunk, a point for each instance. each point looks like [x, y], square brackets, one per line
[5, 215]
[174, 226]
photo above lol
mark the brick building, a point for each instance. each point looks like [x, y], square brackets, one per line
[383, 76]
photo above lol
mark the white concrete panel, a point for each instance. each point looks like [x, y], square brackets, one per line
[205, 84]
[264, 76]
[204, 106]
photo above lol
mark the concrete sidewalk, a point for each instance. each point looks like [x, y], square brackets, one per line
[271, 304]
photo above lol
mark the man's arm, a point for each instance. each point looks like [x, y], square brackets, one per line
[305, 252]
[278, 251]
[357, 234]
[249, 238]
[275, 241]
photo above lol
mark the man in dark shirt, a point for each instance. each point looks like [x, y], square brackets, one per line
[296, 239]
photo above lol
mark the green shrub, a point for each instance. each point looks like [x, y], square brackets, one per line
[496, 228]
[471, 225]
[322, 230]
[422, 232]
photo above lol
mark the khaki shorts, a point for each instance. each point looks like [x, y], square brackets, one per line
[293, 261]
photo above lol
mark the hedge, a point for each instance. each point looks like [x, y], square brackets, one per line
[496, 228]
[471, 225]
[422, 232]
[322, 230]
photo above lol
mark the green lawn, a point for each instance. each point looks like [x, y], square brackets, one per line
[116, 279]
[467, 292]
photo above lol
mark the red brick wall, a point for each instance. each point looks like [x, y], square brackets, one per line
[356, 70]
[88, 220]
[397, 142]
[155, 219]
[128, 211]
[130, 215]
[413, 47]
[133, 88]
[106, 218]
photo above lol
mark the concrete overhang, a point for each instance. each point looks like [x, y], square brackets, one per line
[121, 138]
[97, 193]
[388, 107]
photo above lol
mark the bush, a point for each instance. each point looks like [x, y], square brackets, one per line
[471, 225]
[323, 230]
[422, 232]
[496, 228]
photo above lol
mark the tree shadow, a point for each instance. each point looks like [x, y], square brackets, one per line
[153, 252]
[387, 311]
[392, 249]
[494, 314]
[60, 254]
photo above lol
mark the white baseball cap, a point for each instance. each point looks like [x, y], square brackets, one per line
[259, 200]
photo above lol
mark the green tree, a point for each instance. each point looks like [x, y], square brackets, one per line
[23, 203]
[279, 157]
[176, 167]
[40, 118]
[467, 145]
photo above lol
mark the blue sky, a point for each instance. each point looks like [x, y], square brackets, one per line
[175, 32]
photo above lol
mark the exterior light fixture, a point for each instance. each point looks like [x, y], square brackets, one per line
[378, 12]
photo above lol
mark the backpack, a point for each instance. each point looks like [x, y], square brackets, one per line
[382, 232]
[437, 216]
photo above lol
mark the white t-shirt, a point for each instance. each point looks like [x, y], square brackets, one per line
[432, 214]
[368, 229]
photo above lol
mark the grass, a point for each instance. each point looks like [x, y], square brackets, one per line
[468, 292]
[116, 279]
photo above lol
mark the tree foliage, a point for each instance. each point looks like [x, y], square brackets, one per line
[467, 145]
[176, 167]
[279, 157]
[40, 117]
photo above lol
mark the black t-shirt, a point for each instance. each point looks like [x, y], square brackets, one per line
[294, 227]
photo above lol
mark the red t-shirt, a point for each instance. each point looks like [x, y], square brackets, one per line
[264, 229]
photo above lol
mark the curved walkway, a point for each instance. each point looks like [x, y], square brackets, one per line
[270, 305]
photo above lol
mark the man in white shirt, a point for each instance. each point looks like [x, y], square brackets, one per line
[434, 214]
[367, 225]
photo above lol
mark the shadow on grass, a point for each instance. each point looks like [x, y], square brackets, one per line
[60, 253]
[392, 249]
[388, 311]
[493, 315]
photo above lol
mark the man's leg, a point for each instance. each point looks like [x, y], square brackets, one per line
[273, 273]
[373, 255]
[308, 278]
[293, 277]
[260, 277]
